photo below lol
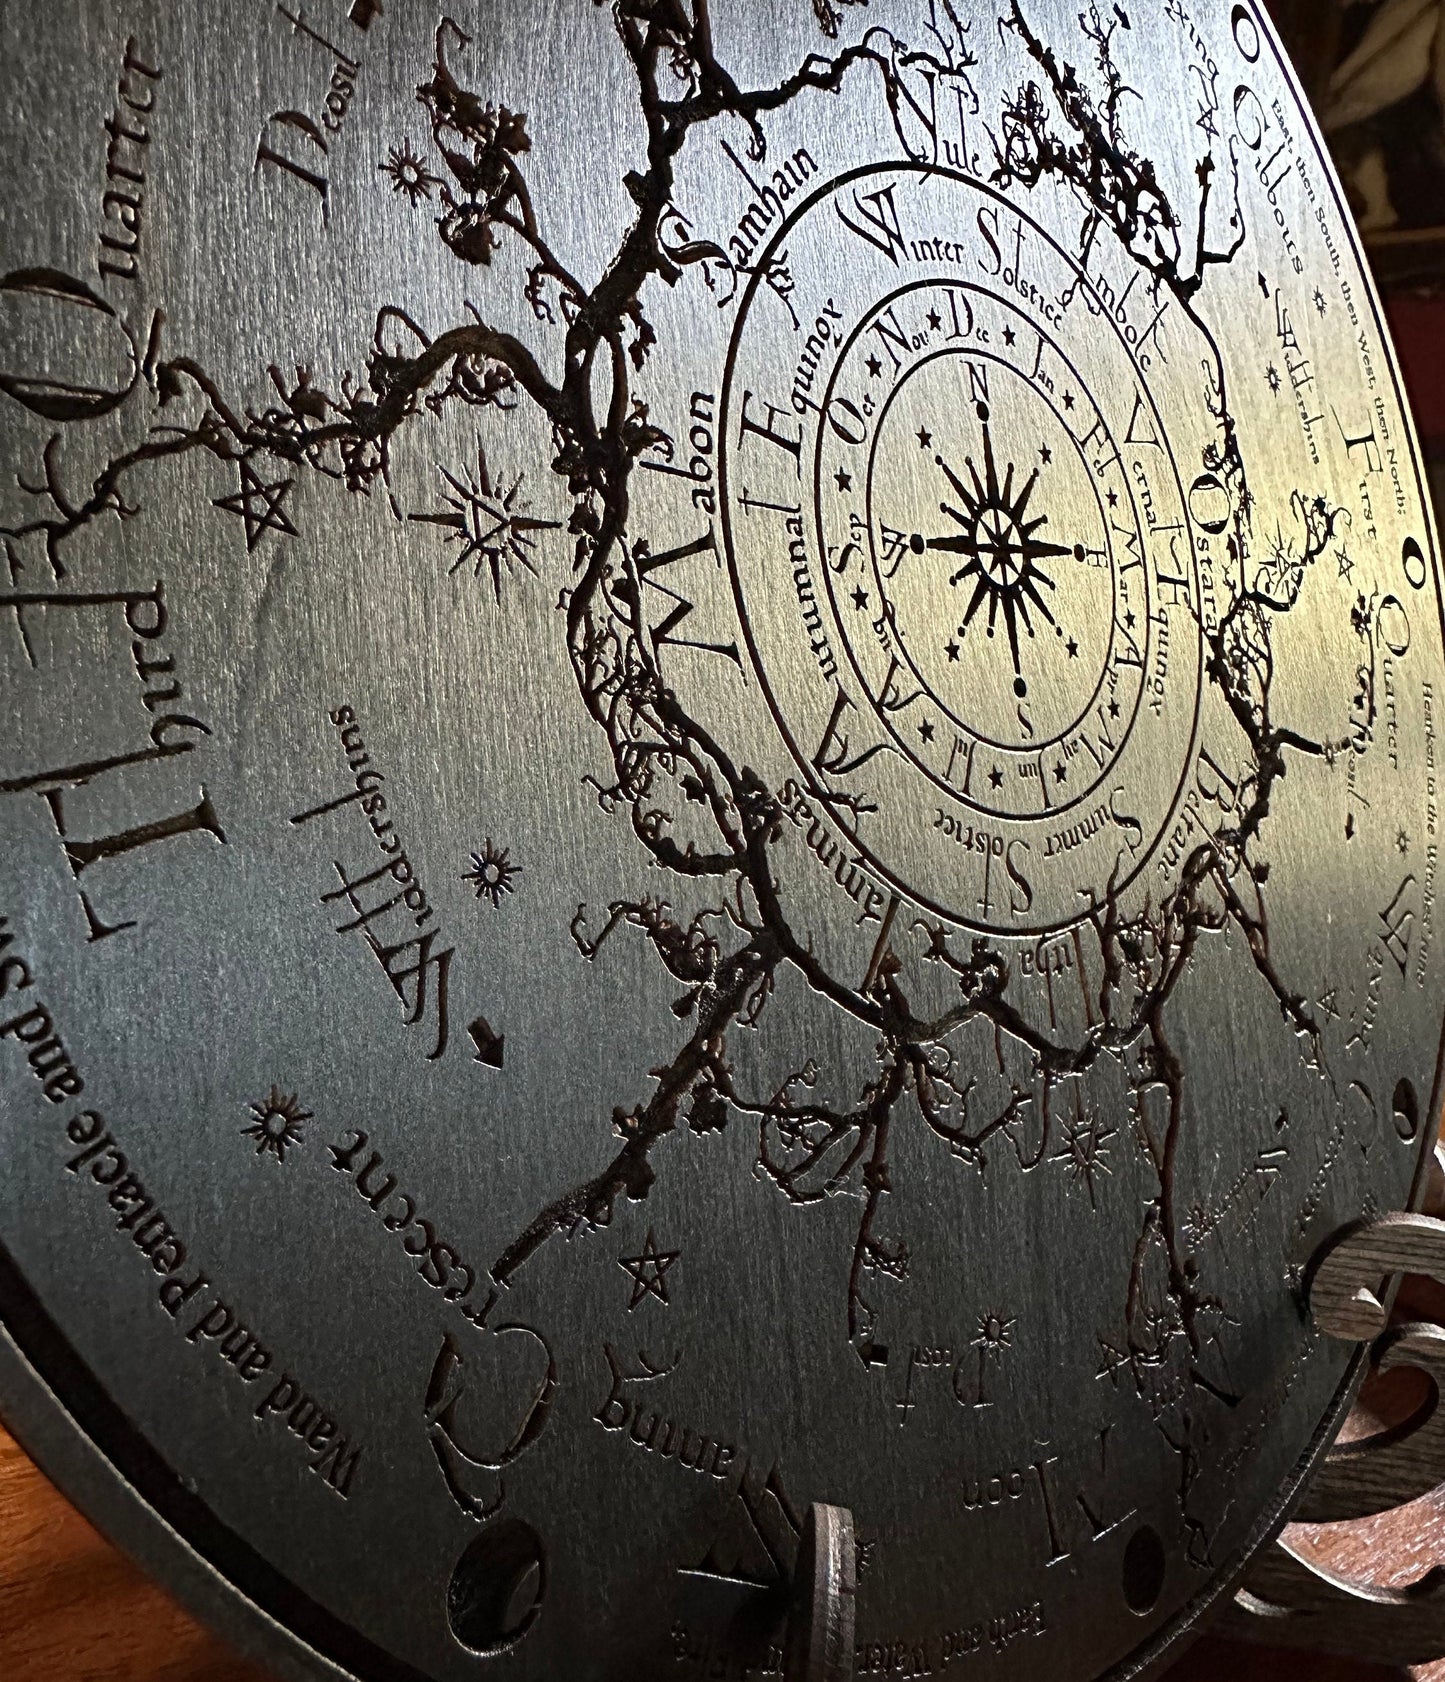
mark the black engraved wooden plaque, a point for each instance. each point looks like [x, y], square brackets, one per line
[718, 780]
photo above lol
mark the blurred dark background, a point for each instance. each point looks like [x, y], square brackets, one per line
[1374, 71]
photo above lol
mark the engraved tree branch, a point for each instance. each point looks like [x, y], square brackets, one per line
[729, 956]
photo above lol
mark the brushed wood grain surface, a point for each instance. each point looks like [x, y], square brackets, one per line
[75, 1609]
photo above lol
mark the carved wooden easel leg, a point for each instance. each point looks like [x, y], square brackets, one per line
[1285, 1599]
[820, 1618]
[1289, 1602]
[1358, 1479]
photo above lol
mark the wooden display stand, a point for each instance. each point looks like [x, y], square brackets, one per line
[72, 1607]
[1292, 1599]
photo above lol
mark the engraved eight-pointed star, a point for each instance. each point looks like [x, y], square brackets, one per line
[1085, 1151]
[490, 525]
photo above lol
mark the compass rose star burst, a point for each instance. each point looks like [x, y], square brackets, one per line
[1085, 1150]
[490, 525]
[1001, 546]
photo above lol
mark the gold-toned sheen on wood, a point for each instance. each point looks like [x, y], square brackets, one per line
[718, 772]
[1294, 1599]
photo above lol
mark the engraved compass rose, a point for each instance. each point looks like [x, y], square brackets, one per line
[972, 568]
[489, 523]
[1001, 546]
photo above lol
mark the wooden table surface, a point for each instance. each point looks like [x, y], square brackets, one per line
[74, 1609]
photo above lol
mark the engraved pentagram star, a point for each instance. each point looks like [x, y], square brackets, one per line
[649, 1271]
[259, 505]
[1114, 1361]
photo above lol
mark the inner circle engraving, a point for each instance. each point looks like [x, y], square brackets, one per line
[994, 576]
[985, 637]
